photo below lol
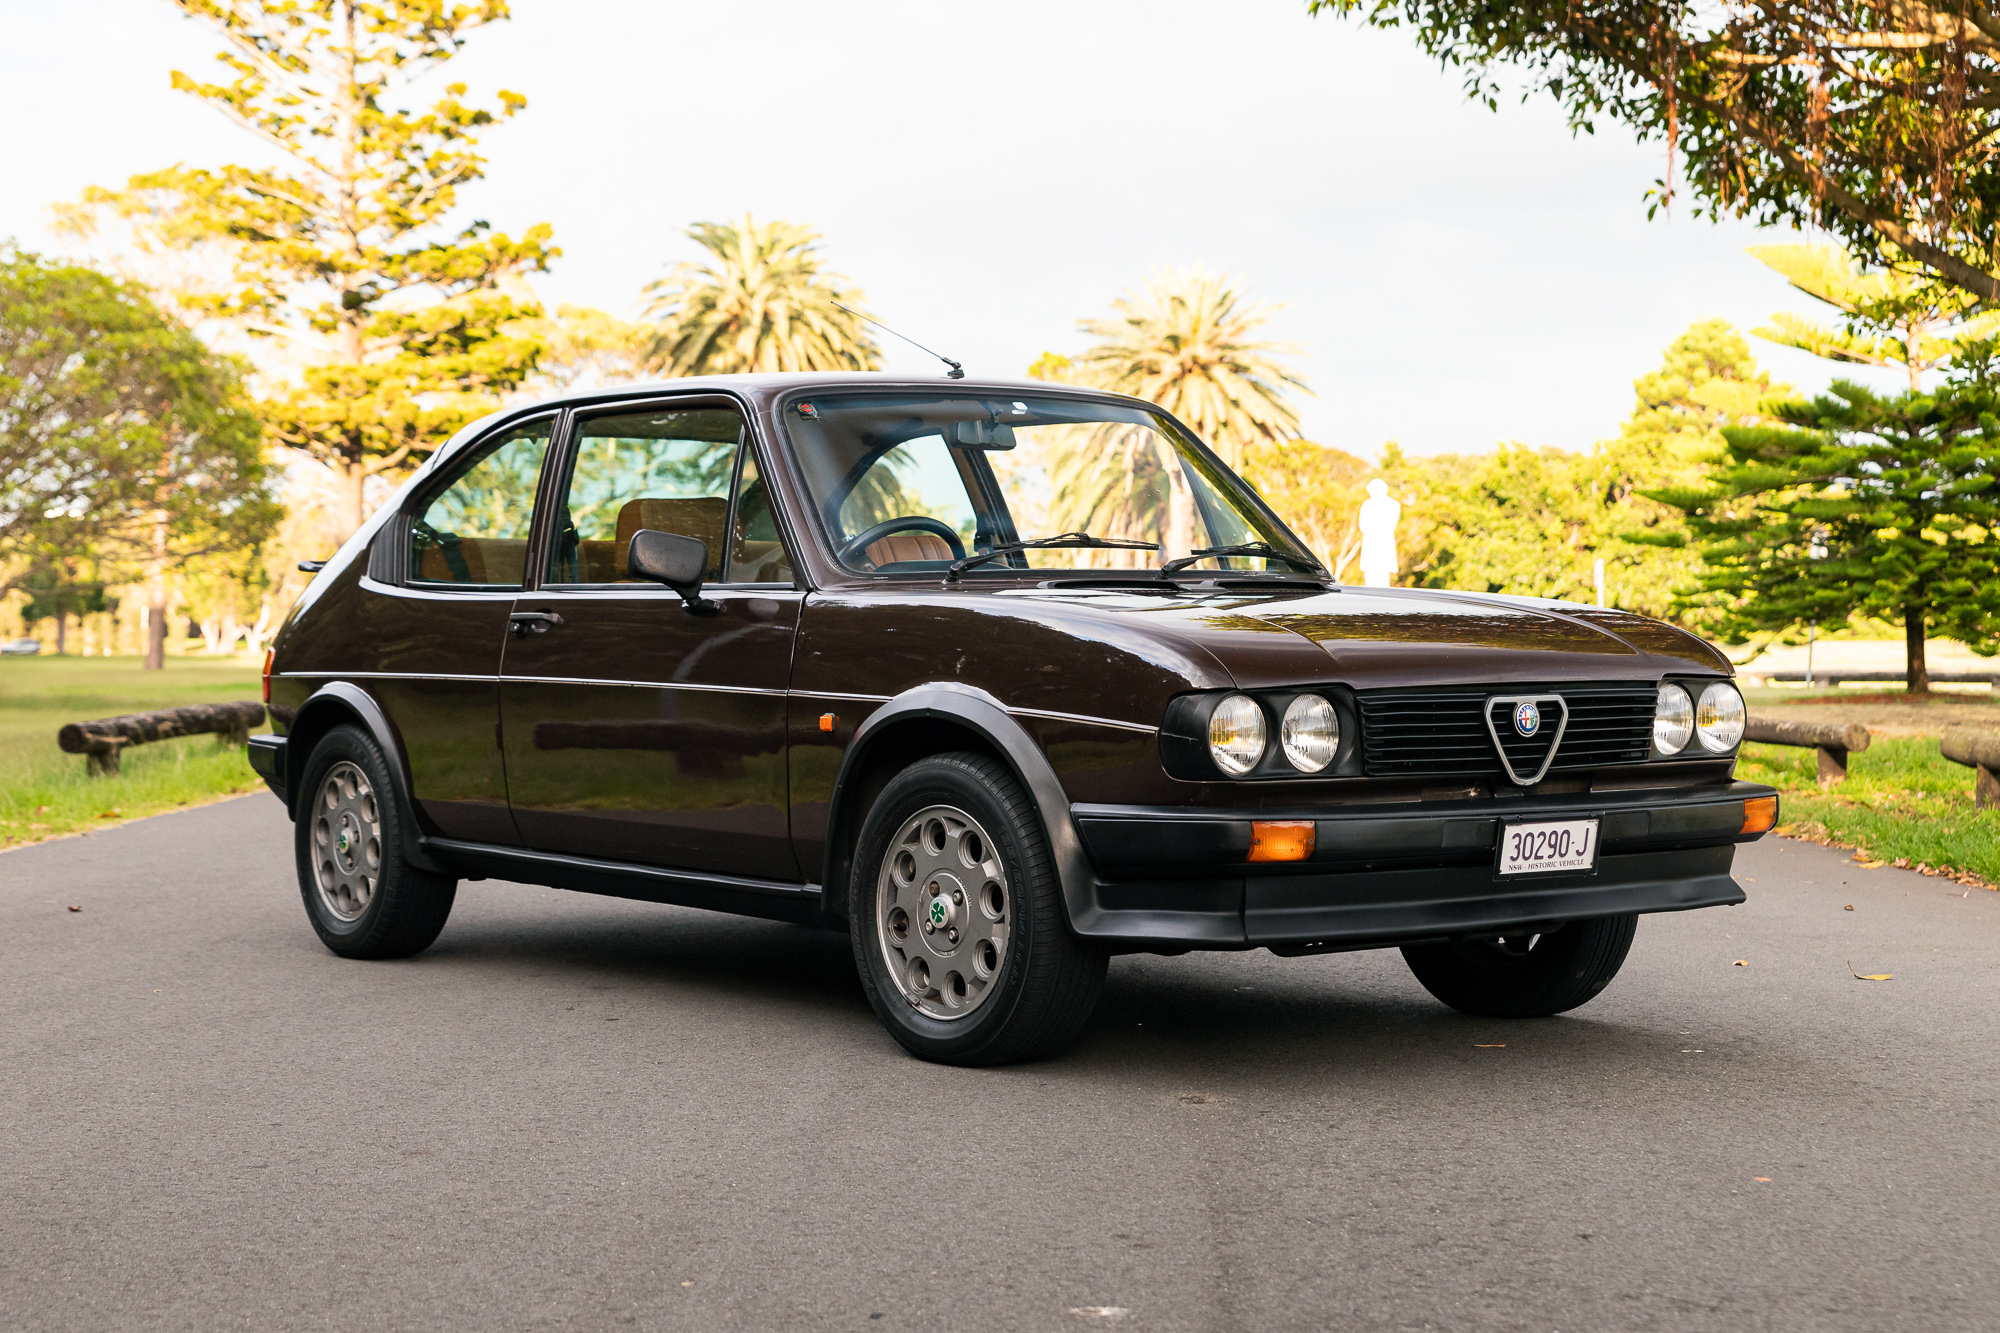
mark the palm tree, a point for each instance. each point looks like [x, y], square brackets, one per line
[1185, 343]
[762, 303]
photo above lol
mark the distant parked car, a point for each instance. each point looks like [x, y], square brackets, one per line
[20, 647]
[834, 649]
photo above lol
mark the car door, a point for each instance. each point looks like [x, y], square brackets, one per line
[635, 728]
[451, 564]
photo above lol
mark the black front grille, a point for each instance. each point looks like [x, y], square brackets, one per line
[1440, 732]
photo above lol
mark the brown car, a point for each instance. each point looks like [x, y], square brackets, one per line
[1003, 678]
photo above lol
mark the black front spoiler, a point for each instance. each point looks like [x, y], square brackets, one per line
[1174, 879]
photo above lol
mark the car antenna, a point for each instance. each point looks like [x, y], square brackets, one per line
[957, 372]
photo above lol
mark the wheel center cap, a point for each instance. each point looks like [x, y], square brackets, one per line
[939, 911]
[345, 842]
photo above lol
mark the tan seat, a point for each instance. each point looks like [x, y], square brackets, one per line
[907, 546]
[705, 518]
[486, 560]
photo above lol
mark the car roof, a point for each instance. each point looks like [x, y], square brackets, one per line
[761, 387]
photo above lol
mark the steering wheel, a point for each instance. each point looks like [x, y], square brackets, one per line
[855, 545]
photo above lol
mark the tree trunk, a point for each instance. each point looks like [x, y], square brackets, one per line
[156, 596]
[1919, 676]
[62, 630]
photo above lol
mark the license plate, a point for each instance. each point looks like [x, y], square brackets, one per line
[1547, 849]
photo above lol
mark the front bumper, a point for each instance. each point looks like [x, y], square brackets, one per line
[1396, 874]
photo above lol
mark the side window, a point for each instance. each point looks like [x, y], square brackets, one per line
[670, 471]
[756, 555]
[474, 533]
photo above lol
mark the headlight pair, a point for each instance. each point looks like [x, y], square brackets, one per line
[1717, 721]
[1308, 735]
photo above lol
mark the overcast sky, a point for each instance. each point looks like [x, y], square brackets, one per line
[990, 174]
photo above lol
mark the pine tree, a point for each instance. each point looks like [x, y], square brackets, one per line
[1855, 504]
[345, 245]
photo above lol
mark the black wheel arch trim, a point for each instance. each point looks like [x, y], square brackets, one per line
[981, 713]
[327, 707]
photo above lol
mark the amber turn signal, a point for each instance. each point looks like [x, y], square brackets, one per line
[1759, 814]
[1282, 839]
[828, 721]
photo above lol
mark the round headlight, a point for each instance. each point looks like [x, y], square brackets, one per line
[1673, 720]
[1719, 718]
[1236, 734]
[1310, 733]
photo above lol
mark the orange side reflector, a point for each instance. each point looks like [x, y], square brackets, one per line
[827, 721]
[1759, 814]
[269, 653]
[1282, 839]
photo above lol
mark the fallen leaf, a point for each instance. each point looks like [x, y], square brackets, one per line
[687, 1284]
[1871, 976]
[1762, 1180]
[1741, 962]
[1489, 1045]
[1871, 865]
[76, 909]
[41, 809]
[1848, 908]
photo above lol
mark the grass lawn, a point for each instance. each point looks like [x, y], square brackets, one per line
[45, 793]
[1902, 803]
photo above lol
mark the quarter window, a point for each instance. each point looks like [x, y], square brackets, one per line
[474, 532]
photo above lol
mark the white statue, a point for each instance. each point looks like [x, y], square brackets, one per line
[1378, 535]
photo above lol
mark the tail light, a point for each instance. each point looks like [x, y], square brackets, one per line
[269, 653]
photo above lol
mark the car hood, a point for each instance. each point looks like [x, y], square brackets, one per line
[1394, 636]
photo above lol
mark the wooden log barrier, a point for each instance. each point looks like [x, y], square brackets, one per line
[1833, 742]
[102, 740]
[1979, 751]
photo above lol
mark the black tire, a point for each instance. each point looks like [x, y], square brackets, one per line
[1042, 988]
[1526, 976]
[404, 908]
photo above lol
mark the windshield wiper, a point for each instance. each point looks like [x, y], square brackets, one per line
[957, 567]
[1265, 549]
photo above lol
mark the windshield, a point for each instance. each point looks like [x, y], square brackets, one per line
[913, 481]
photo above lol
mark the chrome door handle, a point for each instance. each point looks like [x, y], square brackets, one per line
[538, 621]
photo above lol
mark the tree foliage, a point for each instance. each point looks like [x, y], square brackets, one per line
[1187, 342]
[1535, 521]
[121, 434]
[346, 243]
[1873, 119]
[1856, 504]
[1317, 490]
[1889, 317]
[763, 301]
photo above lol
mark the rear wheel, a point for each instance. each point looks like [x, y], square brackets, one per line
[1526, 975]
[957, 922]
[362, 895]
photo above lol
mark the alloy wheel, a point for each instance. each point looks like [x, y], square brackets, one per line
[943, 912]
[347, 841]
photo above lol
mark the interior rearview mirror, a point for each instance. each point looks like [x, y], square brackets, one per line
[669, 558]
[994, 435]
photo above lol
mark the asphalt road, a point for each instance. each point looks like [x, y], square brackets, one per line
[575, 1112]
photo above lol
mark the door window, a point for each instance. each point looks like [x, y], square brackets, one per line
[668, 470]
[474, 533]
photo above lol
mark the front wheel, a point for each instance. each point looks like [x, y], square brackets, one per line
[362, 895]
[1526, 975]
[957, 923]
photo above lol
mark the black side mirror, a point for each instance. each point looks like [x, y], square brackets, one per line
[678, 562]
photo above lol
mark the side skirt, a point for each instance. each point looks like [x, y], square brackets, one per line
[769, 899]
